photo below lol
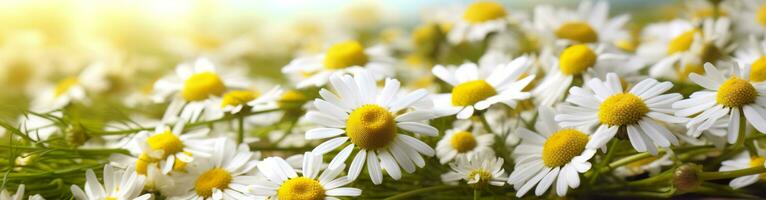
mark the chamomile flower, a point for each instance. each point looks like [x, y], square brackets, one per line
[680, 47]
[284, 183]
[478, 88]
[191, 90]
[752, 56]
[639, 111]
[224, 175]
[479, 20]
[149, 167]
[234, 101]
[553, 154]
[70, 89]
[750, 16]
[590, 23]
[344, 57]
[732, 98]
[479, 170]
[743, 161]
[579, 61]
[371, 119]
[463, 143]
[19, 195]
[172, 147]
[118, 184]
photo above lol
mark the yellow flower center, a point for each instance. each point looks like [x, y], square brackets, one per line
[426, 34]
[562, 146]
[761, 15]
[483, 11]
[142, 163]
[301, 188]
[470, 92]
[736, 92]
[238, 97]
[627, 45]
[622, 109]
[757, 161]
[484, 176]
[111, 198]
[371, 126]
[166, 141]
[758, 70]
[576, 59]
[682, 42]
[345, 54]
[463, 141]
[213, 178]
[577, 31]
[200, 86]
[683, 73]
[64, 85]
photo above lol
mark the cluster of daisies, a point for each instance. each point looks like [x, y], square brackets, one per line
[555, 96]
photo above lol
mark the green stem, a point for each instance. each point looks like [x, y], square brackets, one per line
[485, 124]
[742, 129]
[411, 193]
[241, 133]
[732, 174]
[607, 159]
[476, 194]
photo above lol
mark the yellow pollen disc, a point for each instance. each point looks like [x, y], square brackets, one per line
[463, 141]
[180, 165]
[301, 188]
[142, 163]
[562, 146]
[468, 93]
[483, 11]
[484, 176]
[757, 161]
[238, 97]
[166, 141]
[576, 59]
[64, 85]
[682, 42]
[758, 70]
[577, 31]
[622, 109]
[200, 86]
[761, 15]
[345, 54]
[683, 73]
[371, 127]
[213, 178]
[110, 198]
[735, 93]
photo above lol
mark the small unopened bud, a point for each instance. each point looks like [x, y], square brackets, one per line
[75, 135]
[687, 177]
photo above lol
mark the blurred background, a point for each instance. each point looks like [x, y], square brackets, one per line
[138, 41]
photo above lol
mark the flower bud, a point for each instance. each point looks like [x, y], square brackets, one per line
[686, 177]
[75, 135]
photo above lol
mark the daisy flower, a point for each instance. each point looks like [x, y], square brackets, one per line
[590, 23]
[750, 16]
[347, 56]
[752, 56]
[191, 90]
[118, 184]
[638, 111]
[222, 176]
[680, 47]
[234, 101]
[475, 88]
[579, 61]
[743, 161]
[70, 89]
[461, 143]
[479, 20]
[371, 119]
[478, 170]
[19, 195]
[734, 98]
[283, 182]
[551, 154]
[148, 167]
[171, 145]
